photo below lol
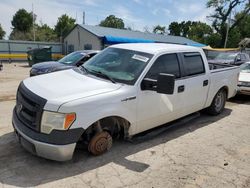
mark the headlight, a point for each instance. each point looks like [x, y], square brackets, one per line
[55, 120]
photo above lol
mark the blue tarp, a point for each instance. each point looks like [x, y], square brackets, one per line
[118, 40]
[196, 44]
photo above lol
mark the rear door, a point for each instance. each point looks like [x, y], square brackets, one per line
[196, 82]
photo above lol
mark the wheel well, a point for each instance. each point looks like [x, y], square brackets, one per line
[117, 127]
[225, 88]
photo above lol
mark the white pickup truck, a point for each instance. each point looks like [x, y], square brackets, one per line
[124, 90]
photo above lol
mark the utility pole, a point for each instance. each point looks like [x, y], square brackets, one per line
[33, 24]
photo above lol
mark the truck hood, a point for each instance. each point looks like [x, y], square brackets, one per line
[65, 86]
[244, 77]
[45, 65]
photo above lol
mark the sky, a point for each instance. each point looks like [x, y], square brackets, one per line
[136, 14]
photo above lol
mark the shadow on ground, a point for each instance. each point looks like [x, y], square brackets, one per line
[240, 99]
[24, 66]
[20, 168]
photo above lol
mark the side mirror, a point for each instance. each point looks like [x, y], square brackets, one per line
[238, 59]
[78, 64]
[165, 83]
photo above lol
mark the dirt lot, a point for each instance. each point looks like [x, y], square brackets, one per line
[205, 152]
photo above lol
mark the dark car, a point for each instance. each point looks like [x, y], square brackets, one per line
[70, 61]
[232, 58]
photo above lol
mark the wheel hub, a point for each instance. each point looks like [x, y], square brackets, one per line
[100, 143]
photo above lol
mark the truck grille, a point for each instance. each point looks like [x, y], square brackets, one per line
[29, 107]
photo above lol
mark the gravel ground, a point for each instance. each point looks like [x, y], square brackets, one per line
[204, 152]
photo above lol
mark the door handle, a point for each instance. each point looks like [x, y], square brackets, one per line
[181, 89]
[205, 83]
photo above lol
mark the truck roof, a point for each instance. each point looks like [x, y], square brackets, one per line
[153, 48]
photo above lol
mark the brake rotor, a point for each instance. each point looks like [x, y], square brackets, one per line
[100, 143]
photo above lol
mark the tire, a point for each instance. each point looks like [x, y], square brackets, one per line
[100, 143]
[218, 103]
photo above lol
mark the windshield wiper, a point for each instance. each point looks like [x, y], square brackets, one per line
[84, 69]
[103, 75]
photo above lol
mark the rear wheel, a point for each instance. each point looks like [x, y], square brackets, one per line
[218, 103]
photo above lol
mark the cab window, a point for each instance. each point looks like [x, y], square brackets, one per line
[193, 64]
[167, 63]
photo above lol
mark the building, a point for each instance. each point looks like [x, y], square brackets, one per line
[96, 37]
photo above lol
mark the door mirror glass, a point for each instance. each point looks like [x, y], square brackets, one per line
[238, 58]
[165, 83]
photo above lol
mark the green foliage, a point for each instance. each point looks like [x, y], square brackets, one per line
[45, 33]
[2, 32]
[196, 31]
[42, 33]
[19, 35]
[64, 25]
[175, 29]
[213, 40]
[244, 25]
[234, 38]
[113, 22]
[199, 32]
[159, 29]
[22, 21]
[223, 10]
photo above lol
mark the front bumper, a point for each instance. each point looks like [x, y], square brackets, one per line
[58, 146]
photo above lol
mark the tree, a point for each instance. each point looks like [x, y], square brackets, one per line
[159, 29]
[222, 13]
[2, 32]
[64, 25]
[19, 35]
[199, 32]
[22, 21]
[113, 22]
[45, 33]
[244, 25]
[213, 40]
[175, 29]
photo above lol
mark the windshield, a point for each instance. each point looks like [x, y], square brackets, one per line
[226, 56]
[245, 68]
[121, 65]
[72, 58]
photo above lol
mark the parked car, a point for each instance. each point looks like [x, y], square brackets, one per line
[68, 62]
[244, 79]
[122, 91]
[232, 58]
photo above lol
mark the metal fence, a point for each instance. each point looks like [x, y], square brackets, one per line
[13, 50]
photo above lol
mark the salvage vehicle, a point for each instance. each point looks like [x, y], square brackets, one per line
[244, 79]
[124, 90]
[231, 58]
[68, 62]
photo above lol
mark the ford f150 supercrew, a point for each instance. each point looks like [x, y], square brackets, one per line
[124, 90]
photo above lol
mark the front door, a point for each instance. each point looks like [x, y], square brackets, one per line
[154, 109]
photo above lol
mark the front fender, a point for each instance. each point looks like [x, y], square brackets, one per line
[90, 110]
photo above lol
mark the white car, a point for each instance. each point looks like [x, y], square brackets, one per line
[122, 91]
[244, 79]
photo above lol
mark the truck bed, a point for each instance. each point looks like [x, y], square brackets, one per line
[215, 67]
